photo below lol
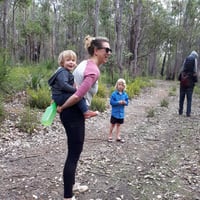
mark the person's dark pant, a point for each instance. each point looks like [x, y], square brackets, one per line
[60, 100]
[188, 93]
[74, 124]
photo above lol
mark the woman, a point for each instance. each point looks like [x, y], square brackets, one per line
[86, 77]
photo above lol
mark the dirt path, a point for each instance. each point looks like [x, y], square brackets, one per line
[159, 160]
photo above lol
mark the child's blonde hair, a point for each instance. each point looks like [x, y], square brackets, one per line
[66, 54]
[121, 80]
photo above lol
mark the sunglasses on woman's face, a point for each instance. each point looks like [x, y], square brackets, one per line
[107, 49]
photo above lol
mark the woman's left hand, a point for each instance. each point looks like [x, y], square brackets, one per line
[59, 109]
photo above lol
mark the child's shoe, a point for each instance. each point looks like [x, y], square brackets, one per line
[90, 114]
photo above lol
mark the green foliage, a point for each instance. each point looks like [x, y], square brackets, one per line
[197, 89]
[2, 110]
[16, 80]
[150, 112]
[102, 90]
[135, 87]
[3, 76]
[99, 100]
[31, 27]
[28, 121]
[133, 90]
[40, 98]
[98, 103]
[112, 89]
[48, 65]
[172, 91]
[108, 73]
[164, 103]
[22, 78]
[33, 81]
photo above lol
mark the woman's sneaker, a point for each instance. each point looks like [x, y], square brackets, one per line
[73, 198]
[77, 188]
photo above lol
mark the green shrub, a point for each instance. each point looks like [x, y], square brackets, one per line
[2, 110]
[21, 78]
[102, 91]
[98, 103]
[132, 90]
[34, 81]
[3, 75]
[150, 112]
[40, 98]
[197, 89]
[135, 87]
[164, 103]
[28, 121]
[16, 80]
[172, 91]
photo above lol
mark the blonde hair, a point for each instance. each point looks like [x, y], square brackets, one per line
[121, 80]
[93, 42]
[88, 39]
[66, 54]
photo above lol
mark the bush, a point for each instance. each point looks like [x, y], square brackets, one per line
[3, 75]
[98, 103]
[16, 80]
[164, 103]
[135, 87]
[132, 90]
[28, 121]
[102, 91]
[150, 112]
[172, 91]
[2, 110]
[197, 89]
[21, 78]
[40, 98]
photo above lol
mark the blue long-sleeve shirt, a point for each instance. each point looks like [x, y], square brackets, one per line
[117, 108]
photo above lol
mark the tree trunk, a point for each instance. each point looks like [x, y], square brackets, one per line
[96, 17]
[118, 31]
[5, 9]
[135, 35]
[152, 62]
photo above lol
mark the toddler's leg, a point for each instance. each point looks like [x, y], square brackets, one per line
[110, 132]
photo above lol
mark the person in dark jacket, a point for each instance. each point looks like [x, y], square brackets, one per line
[188, 74]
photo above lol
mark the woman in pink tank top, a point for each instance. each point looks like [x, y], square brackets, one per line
[86, 77]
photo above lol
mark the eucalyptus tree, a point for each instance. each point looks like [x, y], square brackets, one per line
[4, 11]
[119, 5]
[154, 38]
[20, 5]
[184, 34]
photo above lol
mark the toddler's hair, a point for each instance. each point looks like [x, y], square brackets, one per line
[66, 54]
[121, 80]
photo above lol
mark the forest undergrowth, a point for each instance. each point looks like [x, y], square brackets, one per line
[159, 159]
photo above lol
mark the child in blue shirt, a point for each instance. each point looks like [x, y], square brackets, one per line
[118, 100]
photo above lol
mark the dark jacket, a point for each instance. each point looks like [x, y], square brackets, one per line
[62, 81]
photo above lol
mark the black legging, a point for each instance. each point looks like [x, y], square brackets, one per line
[74, 124]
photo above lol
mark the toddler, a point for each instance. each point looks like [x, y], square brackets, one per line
[118, 100]
[62, 82]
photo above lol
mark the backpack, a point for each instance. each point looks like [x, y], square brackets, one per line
[186, 77]
[186, 80]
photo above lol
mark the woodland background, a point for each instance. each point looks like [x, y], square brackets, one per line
[148, 37]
